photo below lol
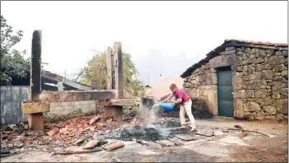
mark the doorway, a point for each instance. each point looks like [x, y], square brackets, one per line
[225, 92]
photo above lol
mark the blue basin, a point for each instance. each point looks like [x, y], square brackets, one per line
[167, 106]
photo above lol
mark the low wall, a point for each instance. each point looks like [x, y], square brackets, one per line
[64, 108]
[13, 96]
[70, 109]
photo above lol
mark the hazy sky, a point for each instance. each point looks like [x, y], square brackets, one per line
[163, 37]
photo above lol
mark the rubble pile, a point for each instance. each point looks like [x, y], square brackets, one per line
[61, 134]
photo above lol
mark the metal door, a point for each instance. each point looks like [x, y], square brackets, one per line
[225, 92]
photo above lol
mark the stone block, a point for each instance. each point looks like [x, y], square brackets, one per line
[187, 85]
[269, 52]
[259, 67]
[239, 68]
[260, 116]
[220, 61]
[250, 69]
[267, 74]
[285, 53]
[35, 107]
[275, 60]
[260, 93]
[261, 53]
[249, 116]
[280, 116]
[259, 60]
[240, 94]
[250, 93]
[270, 117]
[278, 53]
[239, 109]
[267, 67]
[238, 81]
[270, 109]
[285, 106]
[277, 78]
[284, 73]
[253, 106]
[276, 95]
[268, 101]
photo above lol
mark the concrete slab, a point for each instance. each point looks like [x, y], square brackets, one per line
[35, 107]
[70, 96]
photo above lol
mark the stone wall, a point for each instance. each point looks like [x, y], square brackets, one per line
[260, 82]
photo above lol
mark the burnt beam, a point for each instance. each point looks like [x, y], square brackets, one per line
[35, 66]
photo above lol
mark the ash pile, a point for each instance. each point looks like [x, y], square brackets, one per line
[152, 132]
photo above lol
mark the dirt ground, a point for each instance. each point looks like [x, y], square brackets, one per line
[225, 147]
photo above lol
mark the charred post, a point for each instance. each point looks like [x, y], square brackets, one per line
[109, 66]
[118, 67]
[35, 66]
[35, 120]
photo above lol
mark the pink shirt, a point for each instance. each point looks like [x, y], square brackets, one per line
[182, 94]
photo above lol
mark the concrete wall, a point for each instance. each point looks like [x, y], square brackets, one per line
[65, 108]
[11, 98]
[260, 82]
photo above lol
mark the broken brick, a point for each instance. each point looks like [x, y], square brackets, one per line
[93, 120]
[113, 146]
[53, 131]
[63, 130]
[90, 144]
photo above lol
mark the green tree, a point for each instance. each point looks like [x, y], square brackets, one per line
[96, 70]
[13, 63]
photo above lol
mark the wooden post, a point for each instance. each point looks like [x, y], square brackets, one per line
[109, 65]
[118, 67]
[35, 120]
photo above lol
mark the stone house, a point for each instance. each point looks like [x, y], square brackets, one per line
[242, 79]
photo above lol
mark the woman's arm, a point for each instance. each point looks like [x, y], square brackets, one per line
[168, 97]
[165, 96]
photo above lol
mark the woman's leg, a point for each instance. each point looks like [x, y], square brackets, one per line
[182, 115]
[188, 109]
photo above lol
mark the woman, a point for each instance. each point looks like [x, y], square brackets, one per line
[185, 102]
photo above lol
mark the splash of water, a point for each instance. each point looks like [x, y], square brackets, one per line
[148, 115]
